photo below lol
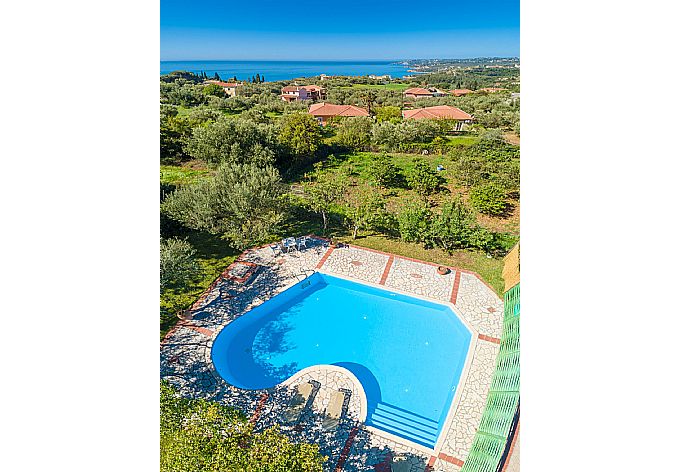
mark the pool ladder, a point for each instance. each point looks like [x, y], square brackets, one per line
[305, 273]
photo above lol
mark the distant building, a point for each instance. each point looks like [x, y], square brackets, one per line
[416, 92]
[229, 87]
[492, 89]
[292, 93]
[325, 111]
[461, 92]
[441, 112]
[381, 77]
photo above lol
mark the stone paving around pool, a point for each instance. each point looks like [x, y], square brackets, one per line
[186, 363]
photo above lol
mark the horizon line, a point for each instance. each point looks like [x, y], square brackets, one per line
[340, 60]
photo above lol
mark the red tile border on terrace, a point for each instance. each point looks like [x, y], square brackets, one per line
[346, 449]
[451, 459]
[386, 270]
[250, 272]
[325, 256]
[259, 407]
[484, 337]
[430, 464]
[456, 287]
[430, 264]
[198, 329]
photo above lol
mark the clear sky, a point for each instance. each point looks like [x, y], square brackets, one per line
[344, 30]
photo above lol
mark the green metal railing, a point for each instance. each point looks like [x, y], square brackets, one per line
[489, 447]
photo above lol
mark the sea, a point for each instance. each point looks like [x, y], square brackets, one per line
[286, 70]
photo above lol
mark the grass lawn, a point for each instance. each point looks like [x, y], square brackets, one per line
[213, 255]
[180, 175]
[463, 140]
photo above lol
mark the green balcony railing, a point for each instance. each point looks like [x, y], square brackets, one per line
[488, 450]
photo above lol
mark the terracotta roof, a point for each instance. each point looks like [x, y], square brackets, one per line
[437, 113]
[295, 88]
[460, 92]
[417, 91]
[329, 109]
[223, 84]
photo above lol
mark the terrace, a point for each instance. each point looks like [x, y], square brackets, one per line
[259, 275]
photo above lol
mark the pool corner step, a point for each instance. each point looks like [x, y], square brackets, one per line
[405, 424]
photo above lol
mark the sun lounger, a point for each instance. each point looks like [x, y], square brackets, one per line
[299, 401]
[334, 411]
[401, 466]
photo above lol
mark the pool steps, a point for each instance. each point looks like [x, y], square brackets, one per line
[405, 424]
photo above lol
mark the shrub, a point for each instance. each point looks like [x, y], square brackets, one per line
[382, 171]
[215, 90]
[203, 436]
[177, 263]
[489, 199]
[413, 222]
[453, 227]
[354, 133]
[422, 178]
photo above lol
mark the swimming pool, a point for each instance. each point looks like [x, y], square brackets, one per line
[407, 353]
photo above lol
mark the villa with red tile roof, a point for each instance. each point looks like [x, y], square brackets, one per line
[229, 87]
[325, 111]
[441, 112]
[416, 92]
[293, 93]
[461, 92]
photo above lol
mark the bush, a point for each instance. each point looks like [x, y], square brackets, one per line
[203, 436]
[354, 133]
[413, 222]
[489, 199]
[177, 263]
[214, 89]
[422, 178]
[382, 171]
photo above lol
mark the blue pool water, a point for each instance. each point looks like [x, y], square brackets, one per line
[407, 353]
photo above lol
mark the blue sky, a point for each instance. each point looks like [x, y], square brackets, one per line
[348, 30]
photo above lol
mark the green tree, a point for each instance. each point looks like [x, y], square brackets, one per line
[301, 134]
[354, 133]
[389, 113]
[489, 199]
[214, 89]
[453, 226]
[422, 178]
[241, 202]
[414, 220]
[177, 264]
[233, 140]
[324, 191]
[203, 436]
[368, 97]
[382, 171]
[364, 209]
[440, 143]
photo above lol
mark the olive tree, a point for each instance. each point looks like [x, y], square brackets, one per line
[301, 134]
[177, 264]
[203, 436]
[233, 140]
[324, 191]
[240, 202]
